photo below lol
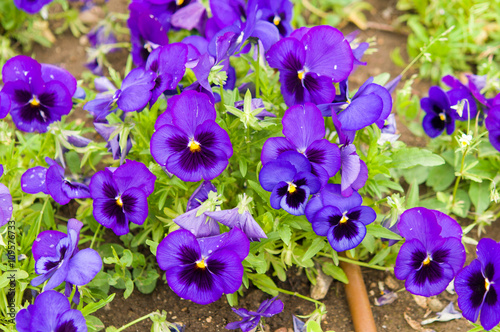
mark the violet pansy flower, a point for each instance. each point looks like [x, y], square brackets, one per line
[478, 285]
[492, 123]
[309, 61]
[290, 181]
[201, 270]
[279, 13]
[38, 94]
[50, 312]
[52, 181]
[113, 144]
[432, 254]
[251, 319]
[341, 219]
[304, 129]
[200, 195]
[121, 196]
[4, 104]
[188, 141]
[57, 258]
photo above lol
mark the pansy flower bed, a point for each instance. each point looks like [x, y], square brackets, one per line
[237, 149]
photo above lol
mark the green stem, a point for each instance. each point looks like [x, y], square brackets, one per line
[222, 105]
[257, 73]
[457, 181]
[375, 267]
[284, 291]
[135, 322]
[95, 235]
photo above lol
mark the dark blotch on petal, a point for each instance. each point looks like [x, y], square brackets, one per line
[301, 182]
[22, 96]
[128, 203]
[296, 199]
[206, 139]
[178, 143]
[316, 156]
[432, 272]
[282, 191]
[346, 230]
[417, 258]
[48, 99]
[476, 284]
[188, 255]
[489, 271]
[441, 255]
[437, 123]
[354, 215]
[491, 297]
[112, 209]
[334, 220]
[67, 326]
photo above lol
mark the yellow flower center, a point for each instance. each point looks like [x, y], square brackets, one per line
[487, 284]
[427, 260]
[179, 2]
[300, 74]
[119, 201]
[194, 146]
[201, 264]
[277, 20]
[292, 188]
[344, 219]
[442, 116]
[34, 102]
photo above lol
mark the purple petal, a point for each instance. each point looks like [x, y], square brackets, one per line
[274, 172]
[346, 236]
[287, 54]
[48, 306]
[381, 92]
[5, 205]
[361, 112]
[72, 319]
[328, 53]
[419, 223]
[55, 180]
[102, 185]
[295, 203]
[457, 95]
[209, 134]
[51, 72]
[83, 267]
[178, 249]
[298, 160]
[364, 214]
[45, 244]
[190, 110]
[103, 84]
[135, 205]
[33, 180]
[134, 174]
[4, 105]
[273, 147]
[331, 195]
[200, 226]
[302, 125]
[200, 195]
[166, 141]
[324, 154]
[470, 299]
[278, 192]
[450, 227]
[267, 33]
[322, 220]
[21, 67]
[404, 261]
[189, 17]
[271, 307]
[136, 90]
[234, 240]
[433, 125]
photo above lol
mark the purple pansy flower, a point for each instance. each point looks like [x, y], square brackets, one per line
[290, 181]
[478, 285]
[251, 319]
[304, 129]
[169, 63]
[121, 196]
[341, 219]
[38, 94]
[4, 104]
[439, 112]
[99, 37]
[433, 252]
[113, 144]
[475, 85]
[201, 270]
[279, 13]
[309, 61]
[200, 195]
[52, 181]
[50, 312]
[31, 6]
[188, 141]
[57, 258]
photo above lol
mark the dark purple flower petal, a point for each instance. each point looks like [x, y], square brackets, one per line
[421, 224]
[55, 180]
[83, 267]
[46, 309]
[4, 105]
[191, 109]
[21, 67]
[274, 172]
[54, 73]
[134, 174]
[470, 285]
[324, 219]
[200, 195]
[200, 226]
[362, 112]
[324, 154]
[189, 17]
[234, 240]
[302, 125]
[470, 109]
[287, 54]
[136, 90]
[135, 205]
[273, 147]
[298, 160]
[346, 235]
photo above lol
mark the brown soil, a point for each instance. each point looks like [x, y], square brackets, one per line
[69, 53]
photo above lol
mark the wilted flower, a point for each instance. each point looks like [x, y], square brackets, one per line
[201, 270]
[341, 219]
[52, 181]
[251, 319]
[58, 259]
[478, 285]
[290, 181]
[113, 143]
[433, 252]
[50, 312]
[122, 196]
[188, 141]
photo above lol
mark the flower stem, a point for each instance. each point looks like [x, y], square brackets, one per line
[375, 267]
[135, 322]
[95, 235]
[257, 73]
[284, 291]
[457, 181]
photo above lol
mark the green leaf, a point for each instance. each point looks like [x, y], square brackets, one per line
[94, 323]
[412, 197]
[409, 157]
[285, 233]
[335, 272]
[264, 283]
[129, 288]
[369, 243]
[317, 244]
[382, 232]
[462, 204]
[479, 194]
[152, 246]
[243, 167]
[232, 299]
[93, 307]
[313, 326]
[380, 256]
[441, 177]
[127, 258]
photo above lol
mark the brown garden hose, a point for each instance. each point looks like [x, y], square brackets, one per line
[357, 298]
